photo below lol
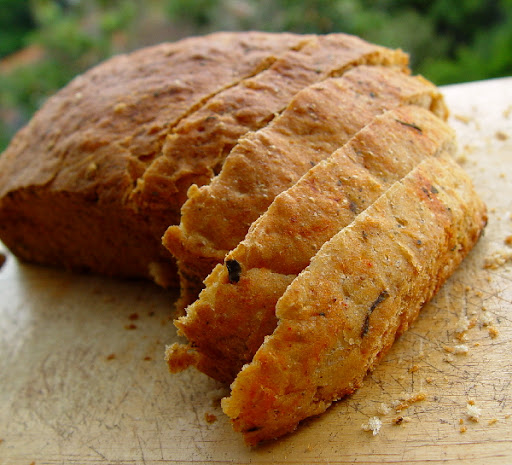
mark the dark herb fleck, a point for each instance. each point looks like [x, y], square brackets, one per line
[234, 271]
[366, 325]
[434, 190]
[353, 207]
[410, 125]
[253, 429]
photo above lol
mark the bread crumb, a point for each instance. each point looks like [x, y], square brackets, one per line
[461, 349]
[493, 332]
[461, 421]
[374, 424]
[497, 259]
[461, 158]
[401, 420]
[130, 327]
[500, 135]
[507, 111]
[405, 401]
[463, 429]
[492, 421]
[429, 380]
[473, 412]
[111, 357]
[383, 409]
[210, 418]
[463, 118]
[414, 369]
[462, 337]
[133, 316]
[486, 319]
[508, 240]
[462, 323]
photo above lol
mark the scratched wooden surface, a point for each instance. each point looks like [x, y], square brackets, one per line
[82, 380]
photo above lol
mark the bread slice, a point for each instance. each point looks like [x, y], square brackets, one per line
[228, 323]
[66, 178]
[211, 132]
[317, 121]
[365, 286]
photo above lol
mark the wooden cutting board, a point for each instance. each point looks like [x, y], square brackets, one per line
[83, 381]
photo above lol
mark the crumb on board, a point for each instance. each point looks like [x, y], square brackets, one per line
[463, 118]
[473, 412]
[400, 420]
[405, 401]
[492, 421]
[383, 409]
[111, 357]
[463, 429]
[460, 349]
[493, 332]
[210, 418]
[130, 327]
[497, 259]
[374, 424]
[414, 369]
[501, 135]
[133, 316]
[508, 240]
[486, 319]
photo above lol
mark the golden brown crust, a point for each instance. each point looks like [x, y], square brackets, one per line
[85, 149]
[229, 321]
[366, 285]
[317, 121]
[210, 132]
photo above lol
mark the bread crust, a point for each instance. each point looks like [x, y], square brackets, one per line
[229, 321]
[364, 287]
[318, 120]
[214, 129]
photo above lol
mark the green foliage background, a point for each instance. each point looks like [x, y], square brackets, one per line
[449, 41]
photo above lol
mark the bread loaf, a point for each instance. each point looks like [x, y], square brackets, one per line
[102, 169]
[312, 174]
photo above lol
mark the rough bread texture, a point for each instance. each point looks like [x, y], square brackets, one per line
[212, 131]
[364, 287]
[66, 178]
[318, 120]
[227, 324]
